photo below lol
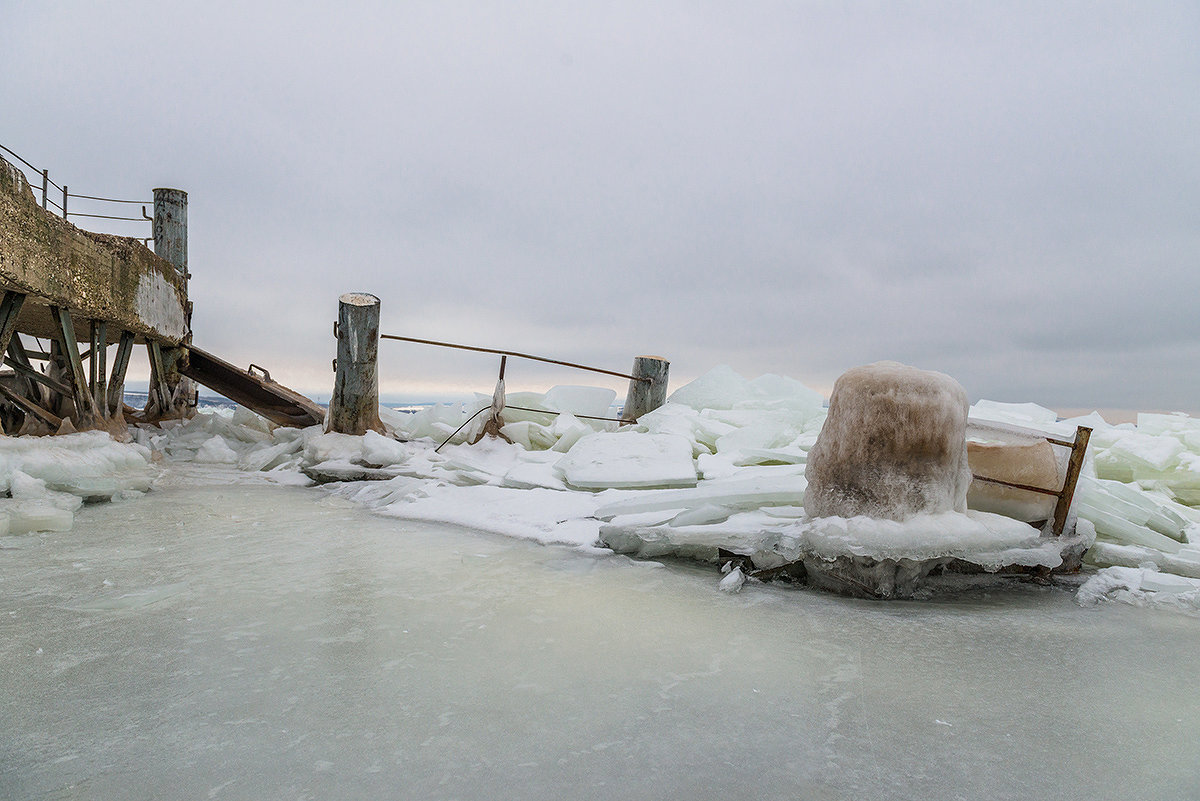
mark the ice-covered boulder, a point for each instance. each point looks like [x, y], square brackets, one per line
[893, 446]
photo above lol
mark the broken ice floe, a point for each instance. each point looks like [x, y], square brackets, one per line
[730, 479]
[48, 478]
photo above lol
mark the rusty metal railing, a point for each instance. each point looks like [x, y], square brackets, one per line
[49, 202]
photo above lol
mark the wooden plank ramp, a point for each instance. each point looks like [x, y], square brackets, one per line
[258, 393]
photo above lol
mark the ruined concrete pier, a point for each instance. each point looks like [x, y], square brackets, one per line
[70, 286]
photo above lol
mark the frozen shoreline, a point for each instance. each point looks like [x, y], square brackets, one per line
[229, 639]
[721, 466]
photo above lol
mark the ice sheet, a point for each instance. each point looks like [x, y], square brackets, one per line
[628, 460]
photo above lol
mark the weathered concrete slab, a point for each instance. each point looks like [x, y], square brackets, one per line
[97, 276]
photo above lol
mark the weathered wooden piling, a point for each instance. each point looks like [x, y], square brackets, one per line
[172, 390]
[170, 227]
[354, 407]
[647, 388]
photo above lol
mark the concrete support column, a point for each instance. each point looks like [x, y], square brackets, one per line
[648, 389]
[354, 407]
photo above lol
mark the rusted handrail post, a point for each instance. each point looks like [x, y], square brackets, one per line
[647, 387]
[354, 406]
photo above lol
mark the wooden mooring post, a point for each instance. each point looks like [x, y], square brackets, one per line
[354, 406]
[647, 388]
[170, 227]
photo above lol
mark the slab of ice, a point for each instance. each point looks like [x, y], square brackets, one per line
[720, 388]
[734, 493]
[576, 400]
[629, 460]
[1141, 587]
[544, 515]
[216, 451]
[981, 538]
[1022, 414]
[89, 464]
[723, 388]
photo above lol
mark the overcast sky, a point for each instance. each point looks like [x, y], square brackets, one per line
[1009, 193]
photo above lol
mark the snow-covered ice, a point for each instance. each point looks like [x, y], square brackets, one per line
[217, 639]
[227, 634]
[727, 474]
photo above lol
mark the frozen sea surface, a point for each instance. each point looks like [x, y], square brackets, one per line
[251, 641]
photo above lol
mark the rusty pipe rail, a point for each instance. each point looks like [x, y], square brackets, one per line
[63, 207]
[515, 354]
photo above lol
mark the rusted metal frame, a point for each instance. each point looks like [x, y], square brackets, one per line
[512, 353]
[1074, 466]
[27, 371]
[1025, 487]
[70, 347]
[116, 384]
[10, 309]
[98, 365]
[158, 377]
[51, 419]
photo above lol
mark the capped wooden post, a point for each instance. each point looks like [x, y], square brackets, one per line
[354, 407]
[170, 227]
[647, 388]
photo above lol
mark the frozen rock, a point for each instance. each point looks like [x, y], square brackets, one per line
[629, 459]
[893, 445]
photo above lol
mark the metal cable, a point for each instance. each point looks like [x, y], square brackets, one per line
[23, 161]
[112, 200]
[105, 216]
[513, 353]
[487, 408]
[583, 416]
